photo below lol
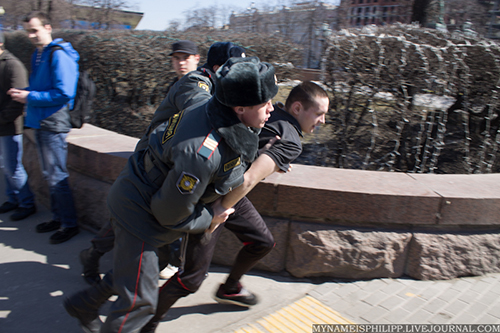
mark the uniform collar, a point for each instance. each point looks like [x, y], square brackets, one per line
[242, 139]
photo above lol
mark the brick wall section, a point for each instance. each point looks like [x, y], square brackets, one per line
[326, 222]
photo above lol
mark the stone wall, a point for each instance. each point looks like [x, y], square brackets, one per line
[326, 222]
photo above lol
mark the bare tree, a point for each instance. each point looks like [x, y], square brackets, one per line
[174, 26]
[16, 10]
[103, 12]
[201, 17]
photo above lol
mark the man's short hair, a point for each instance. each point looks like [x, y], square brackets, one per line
[44, 19]
[305, 93]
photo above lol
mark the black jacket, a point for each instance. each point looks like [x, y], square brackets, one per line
[13, 74]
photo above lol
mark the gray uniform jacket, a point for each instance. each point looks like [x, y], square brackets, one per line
[13, 74]
[193, 88]
[191, 160]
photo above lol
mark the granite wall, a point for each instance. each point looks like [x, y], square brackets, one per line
[326, 222]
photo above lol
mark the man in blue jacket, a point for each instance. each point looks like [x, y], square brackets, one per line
[49, 97]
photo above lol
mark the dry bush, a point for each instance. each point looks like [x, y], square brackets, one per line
[378, 77]
[132, 69]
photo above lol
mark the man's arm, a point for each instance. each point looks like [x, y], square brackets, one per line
[261, 168]
[18, 78]
[64, 79]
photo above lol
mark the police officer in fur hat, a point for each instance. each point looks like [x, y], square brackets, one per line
[194, 87]
[167, 190]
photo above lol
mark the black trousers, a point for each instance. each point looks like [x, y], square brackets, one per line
[247, 224]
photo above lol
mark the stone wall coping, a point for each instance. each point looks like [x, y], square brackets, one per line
[327, 194]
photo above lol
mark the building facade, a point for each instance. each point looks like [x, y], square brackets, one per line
[87, 17]
[306, 24]
[379, 12]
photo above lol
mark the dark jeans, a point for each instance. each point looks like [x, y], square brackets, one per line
[53, 152]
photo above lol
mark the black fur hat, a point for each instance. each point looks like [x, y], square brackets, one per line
[245, 82]
[220, 52]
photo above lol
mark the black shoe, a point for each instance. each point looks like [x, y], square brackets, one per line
[89, 321]
[23, 212]
[242, 297]
[7, 207]
[48, 226]
[90, 262]
[63, 235]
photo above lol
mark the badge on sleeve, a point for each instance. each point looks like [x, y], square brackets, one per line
[203, 86]
[232, 164]
[173, 122]
[187, 183]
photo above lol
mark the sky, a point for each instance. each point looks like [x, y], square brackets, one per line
[157, 13]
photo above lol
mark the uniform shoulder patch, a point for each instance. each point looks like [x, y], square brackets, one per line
[204, 86]
[173, 122]
[209, 145]
[187, 183]
[232, 164]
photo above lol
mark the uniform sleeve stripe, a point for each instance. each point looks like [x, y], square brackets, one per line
[209, 145]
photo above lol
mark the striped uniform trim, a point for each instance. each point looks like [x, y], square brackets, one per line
[209, 145]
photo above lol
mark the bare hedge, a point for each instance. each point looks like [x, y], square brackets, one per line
[411, 99]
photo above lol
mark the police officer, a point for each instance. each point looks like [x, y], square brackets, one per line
[190, 88]
[194, 87]
[168, 189]
[304, 110]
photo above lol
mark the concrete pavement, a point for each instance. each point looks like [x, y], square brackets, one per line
[35, 276]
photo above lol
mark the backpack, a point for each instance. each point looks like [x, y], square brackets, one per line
[85, 94]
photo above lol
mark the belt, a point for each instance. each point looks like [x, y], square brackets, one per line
[153, 172]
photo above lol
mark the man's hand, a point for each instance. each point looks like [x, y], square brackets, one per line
[18, 95]
[269, 144]
[220, 215]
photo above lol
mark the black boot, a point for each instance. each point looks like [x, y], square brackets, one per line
[90, 261]
[169, 294]
[85, 304]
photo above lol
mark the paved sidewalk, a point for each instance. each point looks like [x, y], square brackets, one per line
[35, 276]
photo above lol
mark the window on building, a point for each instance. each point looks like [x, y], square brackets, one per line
[360, 1]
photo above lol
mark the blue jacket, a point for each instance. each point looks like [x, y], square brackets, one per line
[52, 87]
